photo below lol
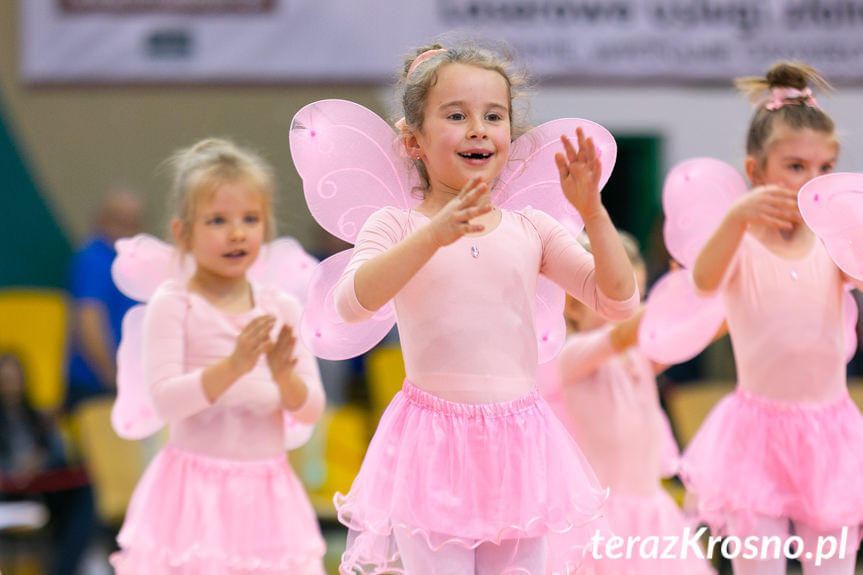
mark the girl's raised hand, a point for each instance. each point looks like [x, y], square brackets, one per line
[770, 206]
[252, 342]
[453, 221]
[580, 172]
[280, 357]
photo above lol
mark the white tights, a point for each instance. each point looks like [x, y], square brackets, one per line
[511, 557]
[781, 528]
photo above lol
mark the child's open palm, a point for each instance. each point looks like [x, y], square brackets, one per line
[252, 342]
[280, 356]
[771, 206]
[580, 173]
[454, 219]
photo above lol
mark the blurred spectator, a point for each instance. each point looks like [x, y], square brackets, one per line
[33, 467]
[98, 304]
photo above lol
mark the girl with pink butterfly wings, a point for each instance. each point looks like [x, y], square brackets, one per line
[468, 470]
[213, 355]
[786, 449]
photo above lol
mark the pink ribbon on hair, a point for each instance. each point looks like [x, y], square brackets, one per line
[424, 57]
[783, 96]
[401, 124]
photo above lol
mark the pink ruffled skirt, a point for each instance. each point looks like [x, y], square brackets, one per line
[192, 514]
[759, 456]
[660, 537]
[468, 474]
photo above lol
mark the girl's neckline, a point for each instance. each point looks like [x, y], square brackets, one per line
[253, 292]
[792, 255]
[488, 231]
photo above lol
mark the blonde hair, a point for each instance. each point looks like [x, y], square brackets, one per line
[794, 113]
[416, 83]
[201, 168]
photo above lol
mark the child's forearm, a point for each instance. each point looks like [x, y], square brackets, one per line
[716, 255]
[624, 334]
[304, 402]
[378, 280]
[217, 378]
[292, 390]
[614, 275]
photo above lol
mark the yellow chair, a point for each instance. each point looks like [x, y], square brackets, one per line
[114, 464]
[385, 372]
[343, 436]
[689, 404]
[33, 325]
[855, 390]
[687, 407]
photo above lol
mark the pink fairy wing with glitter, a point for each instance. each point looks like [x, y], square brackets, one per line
[678, 323]
[832, 206]
[531, 178]
[142, 264]
[351, 164]
[285, 265]
[550, 323]
[695, 198]
[323, 331]
[133, 415]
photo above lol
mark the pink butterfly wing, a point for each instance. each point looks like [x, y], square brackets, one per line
[144, 262]
[133, 415]
[678, 323]
[296, 434]
[550, 323]
[695, 198]
[284, 263]
[832, 206]
[531, 177]
[323, 331]
[351, 165]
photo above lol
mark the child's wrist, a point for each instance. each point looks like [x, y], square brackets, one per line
[428, 239]
[234, 367]
[293, 391]
[594, 215]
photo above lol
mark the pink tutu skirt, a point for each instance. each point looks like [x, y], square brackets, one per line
[652, 523]
[759, 456]
[468, 474]
[192, 514]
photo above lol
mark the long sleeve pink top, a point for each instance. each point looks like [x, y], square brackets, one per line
[183, 334]
[611, 405]
[786, 323]
[467, 319]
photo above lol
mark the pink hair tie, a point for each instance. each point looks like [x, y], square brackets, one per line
[401, 124]
[783, 96]
[422, 58]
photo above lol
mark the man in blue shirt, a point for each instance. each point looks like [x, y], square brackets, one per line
[99, 306]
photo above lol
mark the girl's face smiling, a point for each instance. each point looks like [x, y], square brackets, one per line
[466, 131]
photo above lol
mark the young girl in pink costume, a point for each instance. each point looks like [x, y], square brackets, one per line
[603, 389]
[226, 372]
[786, 449]
[469, 470]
